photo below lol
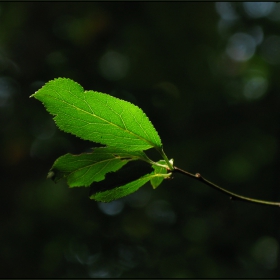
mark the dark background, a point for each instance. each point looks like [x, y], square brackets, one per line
[207, 76]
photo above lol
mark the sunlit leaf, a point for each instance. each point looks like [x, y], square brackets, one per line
[125, 190]
[86, 168]
[98, 117]
[132, 171]
[126, 181]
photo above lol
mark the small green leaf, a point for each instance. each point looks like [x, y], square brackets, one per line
[122, 191]
[125, 190]
[84, 169]
[98, 117]
[126, 181]
[132, 171]
[156, 181]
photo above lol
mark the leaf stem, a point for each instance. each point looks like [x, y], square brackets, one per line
[162, 153]
[232, 195]
[148, 160]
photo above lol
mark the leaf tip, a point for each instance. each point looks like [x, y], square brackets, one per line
[51, 175]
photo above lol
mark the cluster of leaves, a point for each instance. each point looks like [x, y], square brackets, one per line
[122, 127]
[125, 131]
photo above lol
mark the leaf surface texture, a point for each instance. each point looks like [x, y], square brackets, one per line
[86, 168]
[98, 117]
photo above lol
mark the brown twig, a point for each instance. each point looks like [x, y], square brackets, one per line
[232, 195]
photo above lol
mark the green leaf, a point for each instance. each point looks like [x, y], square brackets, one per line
[98, 117]
[125, 190]
[132, 171]
[157, 180]
[124, 182]
[84, 169]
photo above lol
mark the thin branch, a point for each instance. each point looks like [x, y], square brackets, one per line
[231, 195]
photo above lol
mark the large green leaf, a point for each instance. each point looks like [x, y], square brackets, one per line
[84, 169]
[98, 117]
[119, 192]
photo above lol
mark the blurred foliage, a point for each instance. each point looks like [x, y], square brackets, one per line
[207, 75]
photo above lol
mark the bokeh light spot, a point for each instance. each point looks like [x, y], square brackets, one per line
[258, 9]
[265, 252]
[113, 65]
[241, 47]
[8, 87]
[226, 10]
[257, 33]
[275, 13]
[112, 209]
[255, 88]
